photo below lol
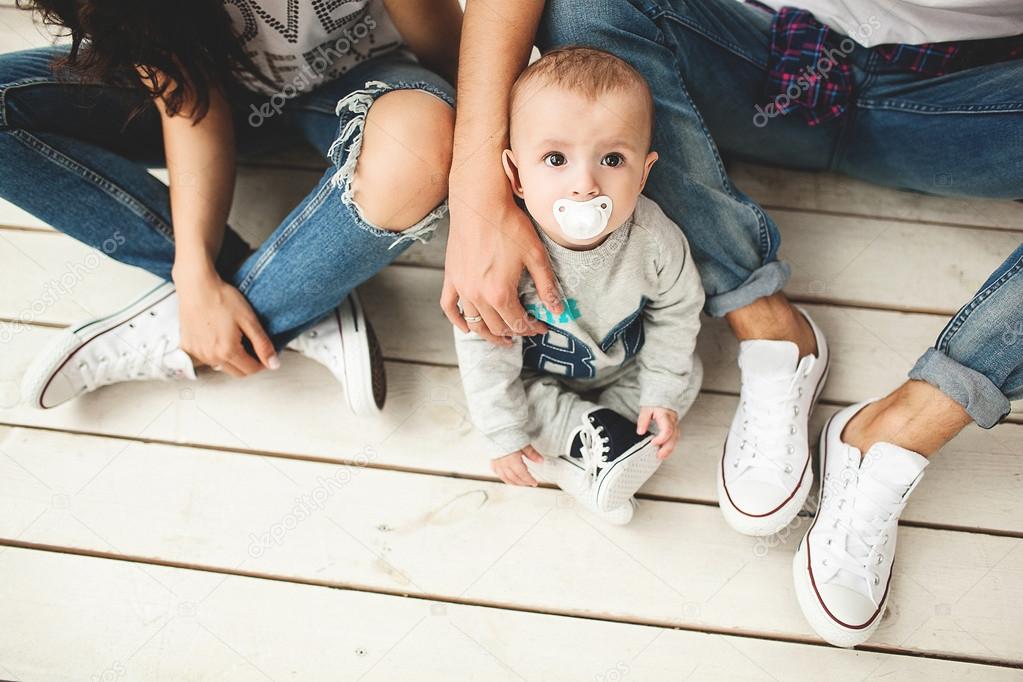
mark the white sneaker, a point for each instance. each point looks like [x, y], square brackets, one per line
[765, 473]
[141, 341]
[579, 485]
[843, 567]
[344, 342]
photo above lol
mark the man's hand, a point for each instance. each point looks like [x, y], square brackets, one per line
[490, 241]
[214, 318]
[512, 467]
[667, 423]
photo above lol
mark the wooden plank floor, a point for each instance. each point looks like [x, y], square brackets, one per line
[255, 530]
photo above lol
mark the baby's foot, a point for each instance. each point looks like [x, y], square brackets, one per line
[576, 483]
[616, 460]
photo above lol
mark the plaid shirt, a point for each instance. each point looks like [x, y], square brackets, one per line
[808, 66]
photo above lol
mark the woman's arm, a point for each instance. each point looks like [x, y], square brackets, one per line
[432, 30]
[491, 239]
[214, 315]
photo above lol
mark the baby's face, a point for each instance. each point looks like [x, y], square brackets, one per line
[566, 145]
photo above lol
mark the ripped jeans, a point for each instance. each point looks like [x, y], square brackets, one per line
[70, 159]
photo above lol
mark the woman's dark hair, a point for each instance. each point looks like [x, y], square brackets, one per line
[129, 42]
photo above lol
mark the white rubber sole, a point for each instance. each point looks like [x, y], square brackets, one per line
[626, 476]
[769, 524]
[759, 526]
[828, 630]
[357, 358]
[55, 354]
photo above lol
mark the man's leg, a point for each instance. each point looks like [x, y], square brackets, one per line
[974, 369]
[706, 63]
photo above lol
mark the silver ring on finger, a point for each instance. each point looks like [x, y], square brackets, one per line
[472, 319]
[217, 368]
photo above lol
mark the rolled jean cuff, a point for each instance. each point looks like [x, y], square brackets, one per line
[978, 395]
[768, 279]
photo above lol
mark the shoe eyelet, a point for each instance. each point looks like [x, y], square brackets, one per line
[795, 410]
[824, 561]
[81, 365]
[791, 450]
[828, 542]
[788, 468]
[877, 580]
[880, 559]
[131, 325]
[792, 429]
[313, 334]
[800, 392]
[152, 313]
[885, 540]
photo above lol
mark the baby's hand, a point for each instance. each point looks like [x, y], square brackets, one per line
[512, 467]
[667, 421]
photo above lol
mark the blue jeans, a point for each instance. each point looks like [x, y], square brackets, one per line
[706, 62]
[74, 157]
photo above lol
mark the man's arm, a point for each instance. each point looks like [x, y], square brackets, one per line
[491, 239]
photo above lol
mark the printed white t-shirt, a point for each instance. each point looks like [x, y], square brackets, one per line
[300, 44]
[912, 22]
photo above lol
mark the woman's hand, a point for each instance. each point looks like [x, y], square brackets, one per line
[214, 318]
[490, 241]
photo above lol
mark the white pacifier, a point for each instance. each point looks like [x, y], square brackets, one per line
[582, 220]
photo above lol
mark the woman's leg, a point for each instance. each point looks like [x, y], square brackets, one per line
[386, 127]
[72, 158]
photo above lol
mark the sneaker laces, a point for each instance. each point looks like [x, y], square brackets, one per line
[594, 447]
[769, 412]
[863, 509]
[144, 362]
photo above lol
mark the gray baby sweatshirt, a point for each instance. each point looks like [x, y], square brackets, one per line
[633, 300]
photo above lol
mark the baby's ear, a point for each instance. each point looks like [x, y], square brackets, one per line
[650, 158]
[512, 171]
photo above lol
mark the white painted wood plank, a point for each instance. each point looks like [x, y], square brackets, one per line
[18, 31]
[777, 188]
[160, 623]
[954, 593]
[61, 281]
[974, 483]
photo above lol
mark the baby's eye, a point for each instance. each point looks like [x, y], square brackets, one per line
[555, 159]
[613, 160]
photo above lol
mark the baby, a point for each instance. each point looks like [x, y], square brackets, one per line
[575, 405]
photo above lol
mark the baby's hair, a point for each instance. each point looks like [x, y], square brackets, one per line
[587, 71]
